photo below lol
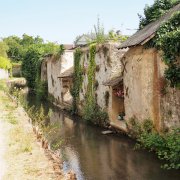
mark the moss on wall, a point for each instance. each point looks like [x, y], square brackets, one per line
[78, 73]
[92, 111]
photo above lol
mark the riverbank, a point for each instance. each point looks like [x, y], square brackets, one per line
[20, 154]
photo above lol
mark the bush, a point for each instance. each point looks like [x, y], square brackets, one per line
[42, 90]
[5, 63]
[166, 146]
[93, 113]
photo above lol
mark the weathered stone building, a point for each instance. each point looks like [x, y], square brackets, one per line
[108, 66]
[146, 94]
[129, 82]
[66, 79]
[51, 69]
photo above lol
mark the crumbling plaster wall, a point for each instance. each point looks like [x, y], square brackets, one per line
[138, 83]
[169, 102]
[108, 64]
[56, 66]
[44, 70]
[143, 100]
[53, 72]
[67, 60]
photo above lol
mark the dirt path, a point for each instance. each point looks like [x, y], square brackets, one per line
[20, 155]
[2, 150]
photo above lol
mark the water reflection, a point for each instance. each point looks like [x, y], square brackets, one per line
[94, 156]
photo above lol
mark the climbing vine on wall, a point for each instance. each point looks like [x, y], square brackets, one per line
[92, 111]
[78, 72]
[167, 39]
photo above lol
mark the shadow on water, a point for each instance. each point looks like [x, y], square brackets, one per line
[94, 156]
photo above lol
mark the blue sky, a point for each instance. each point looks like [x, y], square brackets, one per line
[63, 20]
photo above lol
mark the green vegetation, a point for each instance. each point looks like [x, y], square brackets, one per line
[3, 49]
[167, 37]
[99, 33]
[99, 36]
[114, 36]
[77, 79]
[29, 52]
[90, 105]
[3, 86]
[18, 139]
[5, 63]
[91, 112]
[166, 146]
[152, 13]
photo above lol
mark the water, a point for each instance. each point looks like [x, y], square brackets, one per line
[94, 156]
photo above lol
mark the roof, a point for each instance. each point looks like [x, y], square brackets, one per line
[113, 81]
[68, 46]
[68, 73]
[148, 32]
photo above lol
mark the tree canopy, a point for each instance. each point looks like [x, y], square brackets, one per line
[153, 12]
[3, 49]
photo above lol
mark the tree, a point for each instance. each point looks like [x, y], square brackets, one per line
[15, 51]
[27, 40]
[30, 65]
[152, 13]
[166, 38]
[3, 49]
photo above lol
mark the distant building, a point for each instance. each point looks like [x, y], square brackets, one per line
[51, 69]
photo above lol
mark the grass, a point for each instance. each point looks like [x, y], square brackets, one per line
[3, 86]
[24, 158]
[20, 140]
[11, 119]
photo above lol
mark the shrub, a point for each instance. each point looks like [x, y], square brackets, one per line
[166, 146]
[5, 63]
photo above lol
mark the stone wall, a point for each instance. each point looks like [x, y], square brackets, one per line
[170, 109]
[53, 72]
[108, 64]
[54, 67]
[44, 70]
[143, 74]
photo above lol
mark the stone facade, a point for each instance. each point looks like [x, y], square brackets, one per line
[108, 64]
[145, 93]
[143, 76]
[51, 69]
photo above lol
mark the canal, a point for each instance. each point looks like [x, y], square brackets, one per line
[94, 156]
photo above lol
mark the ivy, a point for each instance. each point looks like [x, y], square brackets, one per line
[78, 72]
[167, 39]
[92, 111]
[91, 71]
